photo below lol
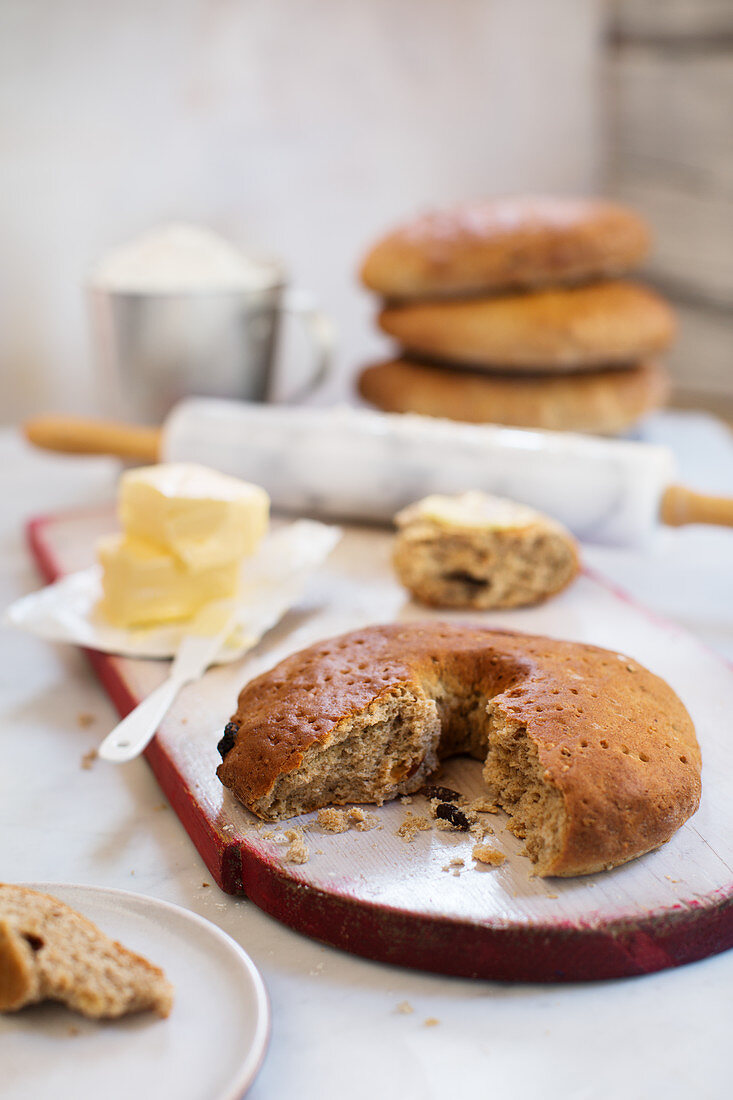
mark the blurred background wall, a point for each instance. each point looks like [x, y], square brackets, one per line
[303, 128]
[669, 104]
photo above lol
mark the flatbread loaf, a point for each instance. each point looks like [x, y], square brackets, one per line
[505, 243]
[601, 401]
[560, 329]
[594, 758]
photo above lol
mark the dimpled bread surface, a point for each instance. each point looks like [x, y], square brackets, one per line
[505, 243]
[594, 758]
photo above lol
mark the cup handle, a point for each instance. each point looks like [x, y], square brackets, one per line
[319, 327]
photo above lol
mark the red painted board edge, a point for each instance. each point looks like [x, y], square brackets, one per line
[215, 853]
[544, 953]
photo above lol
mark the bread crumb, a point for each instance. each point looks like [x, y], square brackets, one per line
[485, 853]
[481, 805]
[404, 1008]
[362, 819]
[431, 1021]
[332, 820]
[406, 799]
[297, 851]
[411, 826]
[87, 760]
[552, 895]
[457, 862]
[84, 720]
[161, 806]
[340, 821]
[206, 884]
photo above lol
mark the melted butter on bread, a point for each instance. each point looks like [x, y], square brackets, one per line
[471, 509]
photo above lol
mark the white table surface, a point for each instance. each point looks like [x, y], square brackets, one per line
[336, 1031]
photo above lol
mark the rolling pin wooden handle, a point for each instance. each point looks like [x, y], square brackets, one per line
[76, 435]
[680, 506]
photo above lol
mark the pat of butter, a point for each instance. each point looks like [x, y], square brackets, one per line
[143, 584]
[202, 517]
[471, 509]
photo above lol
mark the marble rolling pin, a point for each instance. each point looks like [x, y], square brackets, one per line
[345, 463]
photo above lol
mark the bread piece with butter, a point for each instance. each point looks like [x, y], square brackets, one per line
[48, 951]
[475, 550]
[202, 517]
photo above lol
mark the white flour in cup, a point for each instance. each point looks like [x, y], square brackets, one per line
[181, 258]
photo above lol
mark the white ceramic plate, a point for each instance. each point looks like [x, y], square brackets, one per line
[210, 1047]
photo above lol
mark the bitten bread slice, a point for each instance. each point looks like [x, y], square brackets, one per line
[475, 550]
[50, 952]
[594, 758]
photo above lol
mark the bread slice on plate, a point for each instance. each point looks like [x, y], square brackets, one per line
[48, 951]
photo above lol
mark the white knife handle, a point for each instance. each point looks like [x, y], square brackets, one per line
[128, 739]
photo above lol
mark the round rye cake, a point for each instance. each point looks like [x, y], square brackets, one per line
[493, 245]
[593, 757]
[602, 401]
[560, 329]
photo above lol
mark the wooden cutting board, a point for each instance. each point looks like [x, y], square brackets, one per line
[375, 894]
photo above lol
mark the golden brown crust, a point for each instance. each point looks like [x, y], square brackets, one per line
[570, 328]
[602, 402]
[614, 740]
[504, 243]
